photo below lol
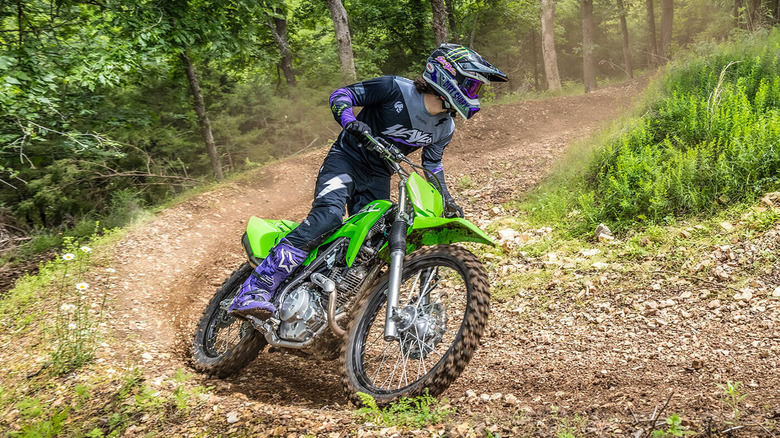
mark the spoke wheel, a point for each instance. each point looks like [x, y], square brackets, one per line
[442, 313]
[224, 344]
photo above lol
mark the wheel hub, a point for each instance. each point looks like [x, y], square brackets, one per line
[421, 328]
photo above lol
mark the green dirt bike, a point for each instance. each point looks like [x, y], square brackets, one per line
[416, 305]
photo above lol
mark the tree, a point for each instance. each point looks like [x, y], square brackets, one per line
[203, 119]
[277, 22]
[453, 29]
[548, 45]
[666, 29]
[588, 63]
[344, 38]
[653, 41]
[439, 21]
[626, 48]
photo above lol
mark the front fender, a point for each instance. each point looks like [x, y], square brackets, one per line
[429, 231]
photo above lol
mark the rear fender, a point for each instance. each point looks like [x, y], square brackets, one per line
[262, 235]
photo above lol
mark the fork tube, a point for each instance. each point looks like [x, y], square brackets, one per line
[397, 245]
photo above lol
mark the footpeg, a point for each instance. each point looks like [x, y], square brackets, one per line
[262, 326]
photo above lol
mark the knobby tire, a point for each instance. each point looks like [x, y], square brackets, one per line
[460, 351]
[235, 359]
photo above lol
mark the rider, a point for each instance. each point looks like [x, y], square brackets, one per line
[411, 115]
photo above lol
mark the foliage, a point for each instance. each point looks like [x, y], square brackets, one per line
[674, 428]
[708, 142]
[77, 324]
[705, 141]
[732, 397]
[406, 412]
[125, 402]
[95, 104]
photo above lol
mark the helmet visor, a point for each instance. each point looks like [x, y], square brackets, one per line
[471, 88]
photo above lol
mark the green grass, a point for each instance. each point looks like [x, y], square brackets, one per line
[412, 412]
[123, 402]
[126, 209]
[705, 139]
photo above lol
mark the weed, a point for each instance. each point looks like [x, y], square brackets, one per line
[761, 218]
[79, 315]
[704, 142]
[93, 410]
[569, 427]
[46, 428]
[407, 412]
[732, 397]
[674, 428]
[466, 182]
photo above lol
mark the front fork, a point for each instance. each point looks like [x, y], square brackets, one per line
[397, 246]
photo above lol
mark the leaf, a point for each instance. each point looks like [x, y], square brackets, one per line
[6, 61]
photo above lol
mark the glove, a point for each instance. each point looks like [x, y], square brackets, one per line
[357, 129]
[451, 209]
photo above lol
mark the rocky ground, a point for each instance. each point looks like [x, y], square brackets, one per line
[589, 338]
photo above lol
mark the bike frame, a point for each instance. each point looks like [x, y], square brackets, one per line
[418, 222]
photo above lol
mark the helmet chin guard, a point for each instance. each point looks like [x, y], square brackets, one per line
[458, 75]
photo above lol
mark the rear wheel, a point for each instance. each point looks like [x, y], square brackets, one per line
[443, 311]
[224, 344]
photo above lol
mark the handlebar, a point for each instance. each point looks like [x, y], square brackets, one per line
[384, 149]
[393, 155]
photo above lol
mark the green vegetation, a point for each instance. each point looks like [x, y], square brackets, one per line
[76, 329]
[732, 397]
[406, 412]
[673, 428]
[706, 141]
[99, 114]
[126, 401]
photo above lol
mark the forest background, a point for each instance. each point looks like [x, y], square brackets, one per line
[108, 105]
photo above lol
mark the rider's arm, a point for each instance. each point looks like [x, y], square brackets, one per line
[370, 92]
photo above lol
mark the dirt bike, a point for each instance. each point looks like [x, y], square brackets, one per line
[416, 304]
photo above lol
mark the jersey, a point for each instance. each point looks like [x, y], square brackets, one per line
[394, 110]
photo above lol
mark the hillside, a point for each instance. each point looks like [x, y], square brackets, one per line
[578, 340]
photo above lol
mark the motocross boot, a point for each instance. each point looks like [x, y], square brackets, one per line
[257, 293]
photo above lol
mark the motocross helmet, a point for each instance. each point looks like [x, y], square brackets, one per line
[458, 74]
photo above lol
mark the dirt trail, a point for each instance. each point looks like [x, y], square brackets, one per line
[171, 266]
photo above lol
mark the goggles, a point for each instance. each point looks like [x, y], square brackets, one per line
[471, 87]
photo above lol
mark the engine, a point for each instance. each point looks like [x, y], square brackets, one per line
[302, 313]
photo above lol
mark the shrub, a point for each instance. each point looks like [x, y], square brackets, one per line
[710, 139]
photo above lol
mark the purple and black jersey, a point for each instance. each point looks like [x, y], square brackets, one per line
[394, 110]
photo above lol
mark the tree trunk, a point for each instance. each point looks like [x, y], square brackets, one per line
[626, 49]
[344, 39]
[588, 64]
[754, 14]
[203, 120]
[737, 13]
[651, 31]
[777, 12]
[453, 30]
[439, 21]
[279, 30]
[666, 29]
[548, 45]
[473, 31]
[535, 56]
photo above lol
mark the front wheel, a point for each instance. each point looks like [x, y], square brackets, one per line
[224, 344]
[443, 310]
